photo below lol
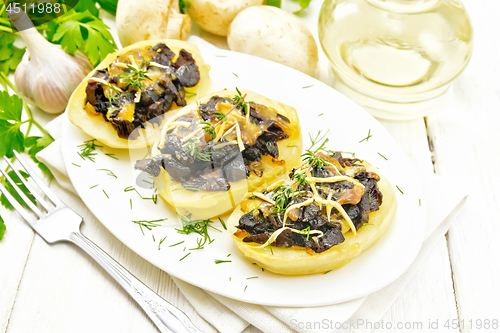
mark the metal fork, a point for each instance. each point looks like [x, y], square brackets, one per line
[59, 223]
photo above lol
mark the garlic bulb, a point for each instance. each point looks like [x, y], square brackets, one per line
[47, 76]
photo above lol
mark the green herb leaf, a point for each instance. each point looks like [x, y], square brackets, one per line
[13, 192]
[274, 3]
[35, 145]
[11, 107]
[10, 55]
[85, 33]
[303, 5]
[108, 5]
[183, 5]
[2, 228]
[89, 5]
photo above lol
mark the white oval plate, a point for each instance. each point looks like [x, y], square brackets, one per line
[320, 108]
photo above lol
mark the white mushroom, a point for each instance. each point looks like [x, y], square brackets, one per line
[271, 33]
[150, 19]
[215, 16]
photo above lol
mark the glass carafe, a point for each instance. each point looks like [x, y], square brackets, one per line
[397, 58]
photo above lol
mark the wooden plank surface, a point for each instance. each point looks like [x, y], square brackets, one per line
[466, 140]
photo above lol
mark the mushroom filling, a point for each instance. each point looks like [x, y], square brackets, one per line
[140, 86]
[219, 142]
[319, 204]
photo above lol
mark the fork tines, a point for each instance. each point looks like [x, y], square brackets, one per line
[44, 188]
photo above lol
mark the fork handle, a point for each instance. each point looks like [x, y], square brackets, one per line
[166, 317]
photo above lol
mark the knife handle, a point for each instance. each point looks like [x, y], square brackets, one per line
[166, 317]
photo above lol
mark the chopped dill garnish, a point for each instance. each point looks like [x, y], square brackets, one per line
[161, 241]
[131, 188]
[271, 248]
[220, 116]
[319, 115]
[235, 74]
[189, 94]
[370, 198]
[223, 224]
[252, 277]
[94, 186]
[87, 150]
[399, 189]
[419, 202]
[154, 240]
[106, 194]
[385, 158]
[307, 231]
[292, 146]
[193, 145]
[229, 278]
[199, 227]
[181, 259]
[149, 224]
[308, 86]
[176, 244]
[262, 268]
[367, 137]
[111, 155]
[108, 172]
[327, 272]
[239, 99]
[130, 203]
[228, 255]
[221, 56]
[209, 129]
[217, 261]
[137, 75]
[245, 289]
[76, 165]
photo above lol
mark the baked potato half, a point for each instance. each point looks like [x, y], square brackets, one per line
[214, 150]
[334, 215]
[122, 102]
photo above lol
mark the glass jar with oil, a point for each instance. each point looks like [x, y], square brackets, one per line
[397, 58]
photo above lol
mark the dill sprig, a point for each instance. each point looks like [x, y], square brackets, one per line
[137, 75]
[108, 172]
[193, 145]
[87, 150]
[199, 227]
[239, 99]
[310, 155]
[284, 194]
[209, 129]
[149, 224]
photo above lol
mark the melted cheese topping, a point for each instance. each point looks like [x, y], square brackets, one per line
[329, 203]
[334, 180]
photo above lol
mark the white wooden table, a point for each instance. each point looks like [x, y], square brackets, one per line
[59, 289]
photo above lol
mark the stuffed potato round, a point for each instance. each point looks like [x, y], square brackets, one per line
[133, 88]
[205, 174]
[282, 255]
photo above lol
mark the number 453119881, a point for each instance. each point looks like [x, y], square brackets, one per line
[485, 324]
[35, 8]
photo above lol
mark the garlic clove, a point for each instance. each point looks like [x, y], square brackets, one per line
[47, 76]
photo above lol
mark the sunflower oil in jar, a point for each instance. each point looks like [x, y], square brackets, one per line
[397, 58]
